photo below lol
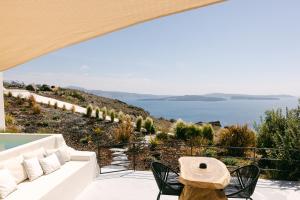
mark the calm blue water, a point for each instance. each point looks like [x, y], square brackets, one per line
[228, 112]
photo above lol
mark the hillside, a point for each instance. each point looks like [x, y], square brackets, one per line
[74, 126]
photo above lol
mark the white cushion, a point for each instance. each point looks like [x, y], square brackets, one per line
[60, 157]
[39, 153]
[64, 151]
[16, 168]
[50, 164]
[7, 183]
[33, 168]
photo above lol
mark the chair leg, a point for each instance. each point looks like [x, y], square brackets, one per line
[158, 196]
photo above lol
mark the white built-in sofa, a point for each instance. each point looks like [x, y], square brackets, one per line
[65, 183]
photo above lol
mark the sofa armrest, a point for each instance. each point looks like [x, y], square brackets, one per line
[82, 155]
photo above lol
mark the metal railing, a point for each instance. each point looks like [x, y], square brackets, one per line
[140, 155]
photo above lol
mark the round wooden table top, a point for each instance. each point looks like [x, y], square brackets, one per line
[215, 176]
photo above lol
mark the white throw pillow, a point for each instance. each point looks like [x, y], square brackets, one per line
[33, 168]
[64, 151]
[60, 157]
[39, 153]
[7, 183]
[50, 164]
[16, 168]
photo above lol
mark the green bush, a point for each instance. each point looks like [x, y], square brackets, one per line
[148, 124]
[237, 136]
[230, 161]
[208, 132]
[45, 87]
[30, 87]
[138, 123]
[77, 95]
[104, 113]
[179, 129]
[89, 110]
[280, 131]
[152, 129]
[97, 112]
[84, 140]
[210, 153]
[112, 115]
[185, 131]
[9, 94]
[55, 105]
[193, 131]
[162, 136]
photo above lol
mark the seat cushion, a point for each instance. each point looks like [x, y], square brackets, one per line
[33, 168]
[7, 183]
[16, 168]
[50, 164]
[39, 188]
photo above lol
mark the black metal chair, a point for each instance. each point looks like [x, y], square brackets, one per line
[243, 182]
[166, 179]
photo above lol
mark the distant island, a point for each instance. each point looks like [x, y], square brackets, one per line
[186, 98]
[254, 98]
[211, 97]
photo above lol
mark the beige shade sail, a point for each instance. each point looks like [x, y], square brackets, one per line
[31, 28]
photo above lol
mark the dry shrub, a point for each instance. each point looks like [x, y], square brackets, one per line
[237, 136]
[36, 109]
[73, 110]
[31, 100]
[12, 129]
[124, 132]
[9, 119]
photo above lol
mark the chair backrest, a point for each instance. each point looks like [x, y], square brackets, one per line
[160, 173]
[248, 176]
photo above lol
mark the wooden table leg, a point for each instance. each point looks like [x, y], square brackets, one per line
[192, 193]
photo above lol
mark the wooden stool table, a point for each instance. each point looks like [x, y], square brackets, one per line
[203, 184]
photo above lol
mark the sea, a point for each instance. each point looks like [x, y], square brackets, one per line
[227, 112]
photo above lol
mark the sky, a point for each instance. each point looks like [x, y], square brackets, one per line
[240, 46]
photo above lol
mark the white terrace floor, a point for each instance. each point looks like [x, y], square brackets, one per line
[140, 185]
